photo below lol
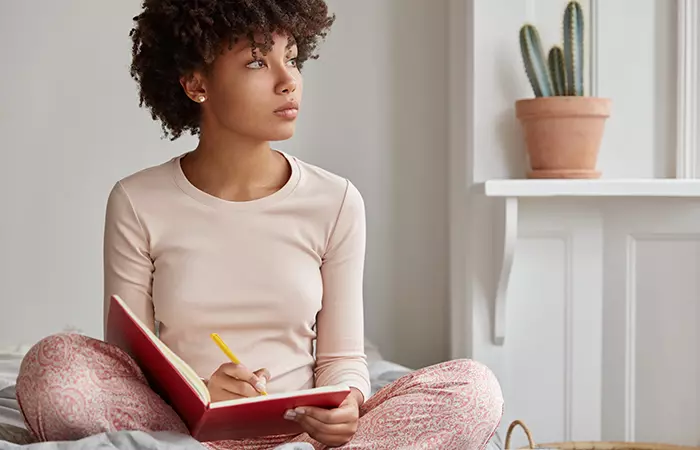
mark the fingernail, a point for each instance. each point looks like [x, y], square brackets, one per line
[260, 386]
[290, 415]
[299, 411]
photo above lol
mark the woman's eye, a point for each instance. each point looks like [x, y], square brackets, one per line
[258, 64]
[292, 62]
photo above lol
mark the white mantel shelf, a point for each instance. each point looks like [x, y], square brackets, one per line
[511, 190]
[592, 188]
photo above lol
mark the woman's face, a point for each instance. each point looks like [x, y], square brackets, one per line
[250, 94]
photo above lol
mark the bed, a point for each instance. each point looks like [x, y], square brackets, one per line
[13, 434]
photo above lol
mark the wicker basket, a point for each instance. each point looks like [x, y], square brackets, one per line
[589, 445]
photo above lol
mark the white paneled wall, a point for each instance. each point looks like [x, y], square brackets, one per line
[553, 342]
[635, 65]
[602, 300]
[651, 343]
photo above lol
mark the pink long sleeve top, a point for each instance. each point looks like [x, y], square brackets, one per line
[271, 276]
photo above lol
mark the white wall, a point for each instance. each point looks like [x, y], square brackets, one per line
[375, 111]
[69, 128]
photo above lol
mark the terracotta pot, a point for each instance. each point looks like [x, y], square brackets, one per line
[563, 134]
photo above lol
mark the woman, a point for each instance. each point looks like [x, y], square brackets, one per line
[236, 238]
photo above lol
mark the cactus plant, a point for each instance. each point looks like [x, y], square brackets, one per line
[573, 48]
[535, 66]
[562, 72]
[557, 70]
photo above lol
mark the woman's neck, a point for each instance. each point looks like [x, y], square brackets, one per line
[235, 168]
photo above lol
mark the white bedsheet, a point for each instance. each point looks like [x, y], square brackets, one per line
[10, 360]
[9, 368]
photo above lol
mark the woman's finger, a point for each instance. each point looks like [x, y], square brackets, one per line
[241, 372]
[314, 426]
[220, 388]
[330, 416]
[234, 386]
[263, 375]
[227, 380]
[239, 387]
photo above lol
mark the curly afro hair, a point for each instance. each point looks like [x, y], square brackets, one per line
[174, 38]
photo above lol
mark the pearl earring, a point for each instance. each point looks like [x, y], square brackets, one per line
[201, 99]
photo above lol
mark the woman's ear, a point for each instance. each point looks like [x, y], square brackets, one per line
[193, 85]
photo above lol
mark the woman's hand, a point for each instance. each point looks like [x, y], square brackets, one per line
[334, 427]
[232, 381]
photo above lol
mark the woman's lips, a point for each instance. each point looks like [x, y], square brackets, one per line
[288, 113]
[289, 110]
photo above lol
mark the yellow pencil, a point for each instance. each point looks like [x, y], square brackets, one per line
[227, 351]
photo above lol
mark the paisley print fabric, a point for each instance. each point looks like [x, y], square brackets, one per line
[72, 386]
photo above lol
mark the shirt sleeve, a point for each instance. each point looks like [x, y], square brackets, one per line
[127, 264]
[340, 353]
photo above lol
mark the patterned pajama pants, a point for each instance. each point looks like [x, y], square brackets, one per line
[71, 386]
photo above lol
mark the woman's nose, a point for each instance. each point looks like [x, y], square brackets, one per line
[287, 85]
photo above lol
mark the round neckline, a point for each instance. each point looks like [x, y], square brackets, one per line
[211, 200]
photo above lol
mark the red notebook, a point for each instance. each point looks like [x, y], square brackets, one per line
[179, 385]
